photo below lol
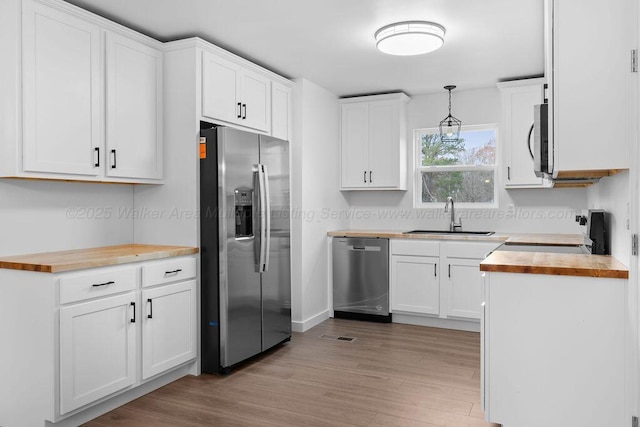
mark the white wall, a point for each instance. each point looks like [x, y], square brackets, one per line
[538, 210]
[43, 216]
[315, 183]
[612, 194]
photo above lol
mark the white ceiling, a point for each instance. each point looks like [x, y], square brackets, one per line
[330, 42]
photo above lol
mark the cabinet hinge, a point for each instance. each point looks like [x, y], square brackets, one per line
[545, 93]
[634, 244]
[634, 60]
[634, 421]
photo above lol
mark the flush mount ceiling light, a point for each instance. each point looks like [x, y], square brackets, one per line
[450, 126]
[410, 38]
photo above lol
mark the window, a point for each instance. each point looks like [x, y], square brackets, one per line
[465, 169]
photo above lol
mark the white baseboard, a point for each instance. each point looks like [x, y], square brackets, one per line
[121, 399]
[436, 322]
[310, 322]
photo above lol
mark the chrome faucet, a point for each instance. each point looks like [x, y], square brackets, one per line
[453, 224]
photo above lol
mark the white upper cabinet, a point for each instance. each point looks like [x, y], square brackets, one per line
[255, 93]
[518, 99]
[62, 92]
[134, 109]
[384, 147]
[373, 142]
[91, 92]
[234, 94]
[280, 111]
[220, 89]
[355, 144]
[588, 66]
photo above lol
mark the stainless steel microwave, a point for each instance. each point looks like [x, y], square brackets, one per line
[540, 151]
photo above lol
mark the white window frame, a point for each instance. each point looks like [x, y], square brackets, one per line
[418, 169]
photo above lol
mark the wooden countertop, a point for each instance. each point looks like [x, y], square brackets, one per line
[521, 238]
[555, 264]
[521, 262]
[55, 262]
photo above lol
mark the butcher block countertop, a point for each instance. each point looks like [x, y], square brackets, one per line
[556, 264]
[521, 238]
[521, 262]
[55, 262]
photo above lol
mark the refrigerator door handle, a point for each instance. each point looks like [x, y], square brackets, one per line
[262, 200]
[267, 216]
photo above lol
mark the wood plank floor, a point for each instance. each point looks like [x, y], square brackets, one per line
[390, 375]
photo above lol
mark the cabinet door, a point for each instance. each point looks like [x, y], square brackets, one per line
[463, 288]
[592, 84]
[134, 109]
[255, 95]
[280, 111]
[355, 143]
[220, 89]
[97, 350]
[518, 105]
[168, 327]
[62, 92]
[384, 150]
[414, 284]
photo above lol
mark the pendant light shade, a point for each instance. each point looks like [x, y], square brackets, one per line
[450, 126]
[410, 38]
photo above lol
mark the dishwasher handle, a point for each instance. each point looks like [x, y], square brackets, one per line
[364, 248]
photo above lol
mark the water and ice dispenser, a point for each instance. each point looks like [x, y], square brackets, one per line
[243, 201]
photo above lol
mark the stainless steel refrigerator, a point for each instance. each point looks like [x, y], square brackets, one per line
[245, 245]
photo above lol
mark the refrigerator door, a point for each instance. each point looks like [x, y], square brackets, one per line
[240, 296]
[276, 280]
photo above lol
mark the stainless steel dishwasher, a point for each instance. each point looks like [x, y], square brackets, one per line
[361, 279]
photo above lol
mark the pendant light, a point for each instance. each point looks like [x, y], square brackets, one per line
[450, 126]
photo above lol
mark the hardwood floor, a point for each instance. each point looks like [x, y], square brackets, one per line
[390, 375]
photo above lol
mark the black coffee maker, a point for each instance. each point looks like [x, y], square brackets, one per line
[598, 232]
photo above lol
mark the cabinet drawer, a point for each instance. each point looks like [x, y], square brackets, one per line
[166, 271]
[469, 250]
[97, 283]
[414, 247]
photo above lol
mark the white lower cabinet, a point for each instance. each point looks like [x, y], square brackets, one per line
[463, 288]
[437, 278]
[92, 334]
[553, 350]
[415, 286]
[97, 349]
[168, 327]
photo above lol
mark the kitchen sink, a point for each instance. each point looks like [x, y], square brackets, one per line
[473, 233]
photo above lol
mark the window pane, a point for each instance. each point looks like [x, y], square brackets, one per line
[473, 148]
[464, 187]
